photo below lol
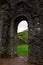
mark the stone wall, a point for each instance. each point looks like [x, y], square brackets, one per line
[11, 13]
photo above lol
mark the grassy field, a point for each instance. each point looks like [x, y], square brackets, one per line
[22, 50]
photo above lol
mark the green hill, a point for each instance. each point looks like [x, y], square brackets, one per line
[23, 35]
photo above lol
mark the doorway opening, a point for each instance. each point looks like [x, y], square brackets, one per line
[22, 34]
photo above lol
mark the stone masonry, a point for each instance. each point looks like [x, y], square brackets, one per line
[11, 13]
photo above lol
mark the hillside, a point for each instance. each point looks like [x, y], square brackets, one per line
[23, 35]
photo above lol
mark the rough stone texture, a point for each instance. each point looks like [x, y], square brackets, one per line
[11, 13]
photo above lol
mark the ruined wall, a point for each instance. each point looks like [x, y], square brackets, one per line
[11, 13]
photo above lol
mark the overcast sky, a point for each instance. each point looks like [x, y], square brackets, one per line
[22, 26]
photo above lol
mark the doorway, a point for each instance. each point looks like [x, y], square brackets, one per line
[22, 34]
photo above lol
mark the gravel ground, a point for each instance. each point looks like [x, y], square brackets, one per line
[16, 61]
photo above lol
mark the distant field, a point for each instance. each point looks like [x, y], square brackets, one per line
[22, 50]
[23, 35]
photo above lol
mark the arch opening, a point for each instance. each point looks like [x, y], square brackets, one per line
[22, 34]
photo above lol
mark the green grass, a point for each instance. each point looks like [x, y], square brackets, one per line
[22, 50]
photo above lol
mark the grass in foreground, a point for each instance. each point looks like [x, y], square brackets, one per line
[22, 50]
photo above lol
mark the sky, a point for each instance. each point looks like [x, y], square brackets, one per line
[22, 26]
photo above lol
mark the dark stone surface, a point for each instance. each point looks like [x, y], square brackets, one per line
[11, 13]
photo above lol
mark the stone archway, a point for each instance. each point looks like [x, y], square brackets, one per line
[31, 10]
[14, 32]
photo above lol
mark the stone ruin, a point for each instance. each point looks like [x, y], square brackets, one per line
[11, 13]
